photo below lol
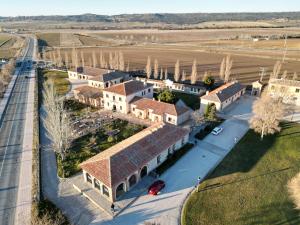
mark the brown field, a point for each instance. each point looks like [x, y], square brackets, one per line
[202, 45]
[245, 69]
[9, 45]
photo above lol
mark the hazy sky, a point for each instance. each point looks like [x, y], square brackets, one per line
[110, 7]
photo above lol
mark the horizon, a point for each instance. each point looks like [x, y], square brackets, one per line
[118, 7]
[152, 13]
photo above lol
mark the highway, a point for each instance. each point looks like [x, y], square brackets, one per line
[12, 131]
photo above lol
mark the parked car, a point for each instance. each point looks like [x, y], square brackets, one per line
[156, 187]
[217, 130]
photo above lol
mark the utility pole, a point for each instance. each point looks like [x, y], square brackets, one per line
[285, 48]
[262, 73]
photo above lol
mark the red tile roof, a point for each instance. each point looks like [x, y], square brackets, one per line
[115, 164]
[128, 88]
[159, 108]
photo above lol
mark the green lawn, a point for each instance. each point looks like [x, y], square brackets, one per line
[61, 84]
[83, 148]
[249, 186]
[192, 101]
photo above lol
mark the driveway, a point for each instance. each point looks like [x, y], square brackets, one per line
[241, 109]
[181, 179]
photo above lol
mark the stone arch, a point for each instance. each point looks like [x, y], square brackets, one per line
[144, 172]
[120, 190]
[132, 180]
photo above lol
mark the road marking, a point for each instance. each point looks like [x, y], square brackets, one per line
[2, 164]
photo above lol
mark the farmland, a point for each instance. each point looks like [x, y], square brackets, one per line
[9, 45]
[208, 47]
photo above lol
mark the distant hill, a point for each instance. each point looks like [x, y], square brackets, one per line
[184, 18]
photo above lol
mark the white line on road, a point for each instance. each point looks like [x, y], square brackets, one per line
[2, 164]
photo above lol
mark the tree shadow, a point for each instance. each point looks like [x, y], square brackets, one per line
[244, 156]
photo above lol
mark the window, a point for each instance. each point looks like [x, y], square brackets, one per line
[89, 178]
[133, 109]
[114, 97]
[108, 104]
[149, 90]
[169, 119]
[120, 99]
[272, 87]
[158, 159]
[107, 96]
[120, 107]
[140, 113]
[297, 90]
[105, 190]
[97, 184]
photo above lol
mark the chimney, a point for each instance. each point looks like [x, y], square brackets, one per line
[145, 83]
[207, 92]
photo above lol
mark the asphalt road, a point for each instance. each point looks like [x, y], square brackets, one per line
[11, 139]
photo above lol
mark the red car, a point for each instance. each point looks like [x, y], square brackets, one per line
[156, 187]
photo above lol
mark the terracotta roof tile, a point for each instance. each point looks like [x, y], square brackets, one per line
[118, 162]
[159, 108]
[128, 87]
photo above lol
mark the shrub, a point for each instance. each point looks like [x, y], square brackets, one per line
[110, 139]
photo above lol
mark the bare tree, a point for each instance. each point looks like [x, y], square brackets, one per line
[121, 61]
[59, 58]
[94, 57]
[293, 189]
[116, 60]
[102, 60]
[222, 69]
[285, 74]
[74, 58]
[276, 70]
[197, 118]
[295, 76]
[82, 59]
[177, 71]
[267, 112]
[148, 68]
[155, 73]
[56, 120]
[183, 76]
[166, 73]
[228, 68]
[161, 74]
[128, 67]
[111, 60]
[67, 60]
[54, 58]
[194, 74]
